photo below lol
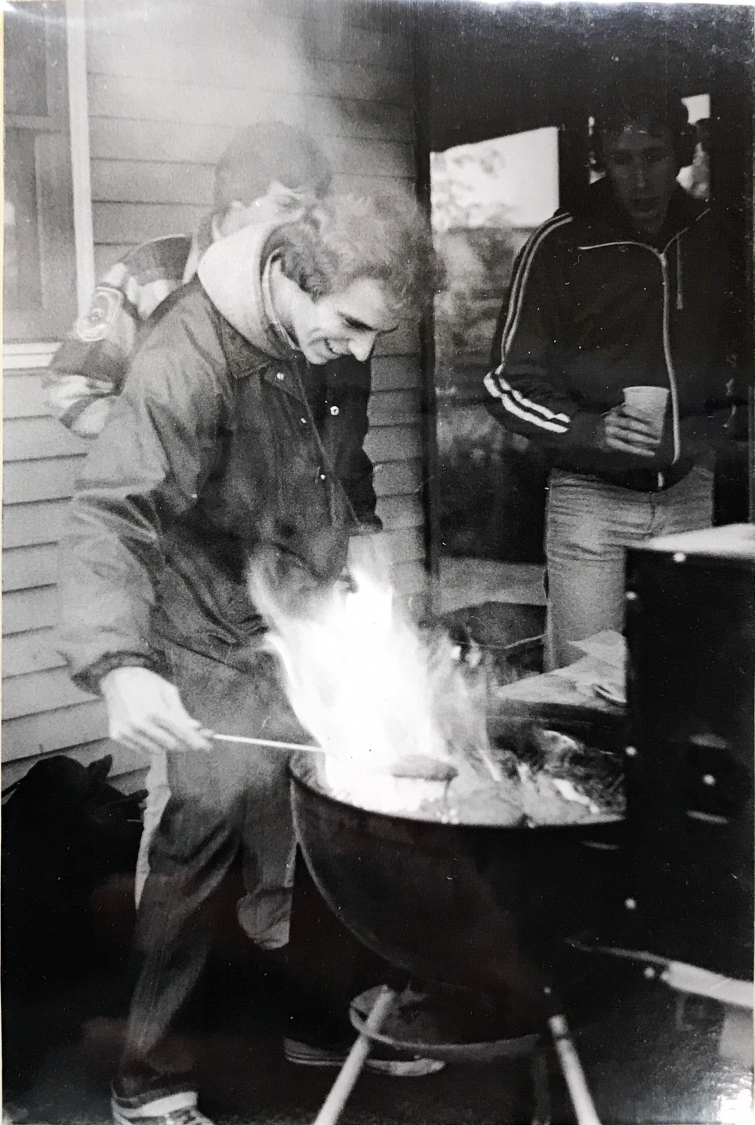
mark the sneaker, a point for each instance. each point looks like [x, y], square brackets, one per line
[173, 1109]
[302, 1054]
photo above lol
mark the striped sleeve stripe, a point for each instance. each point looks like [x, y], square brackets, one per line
[509, 404]
[528, 404]
[515, 403]
[521, 277]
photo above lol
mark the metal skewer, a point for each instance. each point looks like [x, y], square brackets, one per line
[416, 766]
[269, 742]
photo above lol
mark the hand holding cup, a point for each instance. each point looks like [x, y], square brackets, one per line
[636, 426]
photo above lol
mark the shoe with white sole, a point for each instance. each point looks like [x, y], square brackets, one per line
[173, 1109]
[303, 1054]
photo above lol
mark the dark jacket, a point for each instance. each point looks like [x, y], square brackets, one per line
[593, 309]
[222, 441]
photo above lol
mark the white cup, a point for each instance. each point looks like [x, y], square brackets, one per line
[651, 402]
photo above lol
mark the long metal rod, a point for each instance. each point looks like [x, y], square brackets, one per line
[271, 743]
[355, 1060]
[571, 1068]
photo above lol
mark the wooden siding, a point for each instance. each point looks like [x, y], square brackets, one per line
[167, 90]
[168, 85]
[42, 710]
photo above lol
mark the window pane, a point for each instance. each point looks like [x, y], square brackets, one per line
[21, 278]
[25, 59]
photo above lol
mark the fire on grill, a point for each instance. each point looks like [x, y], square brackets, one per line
[402, 723]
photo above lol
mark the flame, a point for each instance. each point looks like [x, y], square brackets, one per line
[372, 688]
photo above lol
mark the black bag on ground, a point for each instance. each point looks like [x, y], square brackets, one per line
[65, 831]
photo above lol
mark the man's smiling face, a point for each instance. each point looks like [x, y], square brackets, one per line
[344, 323]
[642, 167]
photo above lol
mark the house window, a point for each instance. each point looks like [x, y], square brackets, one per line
[39, 285]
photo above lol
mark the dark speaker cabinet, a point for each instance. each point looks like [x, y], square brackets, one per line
[691, 683]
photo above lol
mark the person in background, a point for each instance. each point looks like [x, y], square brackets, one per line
[631, 289]
[229, 441]
[269, 171]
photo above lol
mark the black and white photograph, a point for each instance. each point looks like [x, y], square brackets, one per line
[378, 562]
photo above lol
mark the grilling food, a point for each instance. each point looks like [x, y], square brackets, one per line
[550, 779]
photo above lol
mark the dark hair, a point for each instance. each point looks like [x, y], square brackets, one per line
[267, 151]
[656, 106]
[384, 237]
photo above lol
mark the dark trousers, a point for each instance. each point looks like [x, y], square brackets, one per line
[233, 799]
[216, 799]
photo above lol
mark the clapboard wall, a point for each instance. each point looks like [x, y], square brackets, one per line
[168, 83]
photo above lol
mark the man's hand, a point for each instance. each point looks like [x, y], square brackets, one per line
[145, 713]
[92, 419]
[627, 431]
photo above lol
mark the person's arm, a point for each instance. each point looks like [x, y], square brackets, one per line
[526, 385]
[90, 365]
[145, 470]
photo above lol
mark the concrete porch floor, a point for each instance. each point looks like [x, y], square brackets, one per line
[643, 1063]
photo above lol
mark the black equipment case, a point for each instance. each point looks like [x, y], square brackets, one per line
[691, 638]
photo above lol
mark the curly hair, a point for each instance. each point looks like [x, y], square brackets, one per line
[348, 237]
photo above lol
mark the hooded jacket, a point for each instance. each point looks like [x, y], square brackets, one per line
[594, 308]
[223, 441]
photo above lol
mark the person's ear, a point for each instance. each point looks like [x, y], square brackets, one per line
[597, 160]
[229, 220]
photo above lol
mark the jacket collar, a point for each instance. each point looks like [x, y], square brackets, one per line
[608, 222]
[245, 359]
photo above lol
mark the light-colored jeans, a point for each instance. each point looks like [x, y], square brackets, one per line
[589, 524]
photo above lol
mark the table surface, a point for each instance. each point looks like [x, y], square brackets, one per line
[602, 667]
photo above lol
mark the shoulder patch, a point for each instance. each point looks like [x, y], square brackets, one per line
[97, 321]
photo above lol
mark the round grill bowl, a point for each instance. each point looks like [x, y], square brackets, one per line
[486, 907]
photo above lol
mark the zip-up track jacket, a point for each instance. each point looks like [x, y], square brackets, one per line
[592, 309]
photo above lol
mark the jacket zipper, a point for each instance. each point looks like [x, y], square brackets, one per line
[667, 352]
[673, 388]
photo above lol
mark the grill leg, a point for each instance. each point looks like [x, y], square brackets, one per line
[571, 1068]
[355, 1060]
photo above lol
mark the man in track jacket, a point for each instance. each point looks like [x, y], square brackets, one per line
[633, 289]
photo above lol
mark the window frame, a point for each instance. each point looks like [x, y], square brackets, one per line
[65, 167]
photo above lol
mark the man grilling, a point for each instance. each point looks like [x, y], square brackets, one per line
[271, 172]
[237, 431]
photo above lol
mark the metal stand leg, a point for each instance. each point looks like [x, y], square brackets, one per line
[571, 1068]
[355, 1060]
